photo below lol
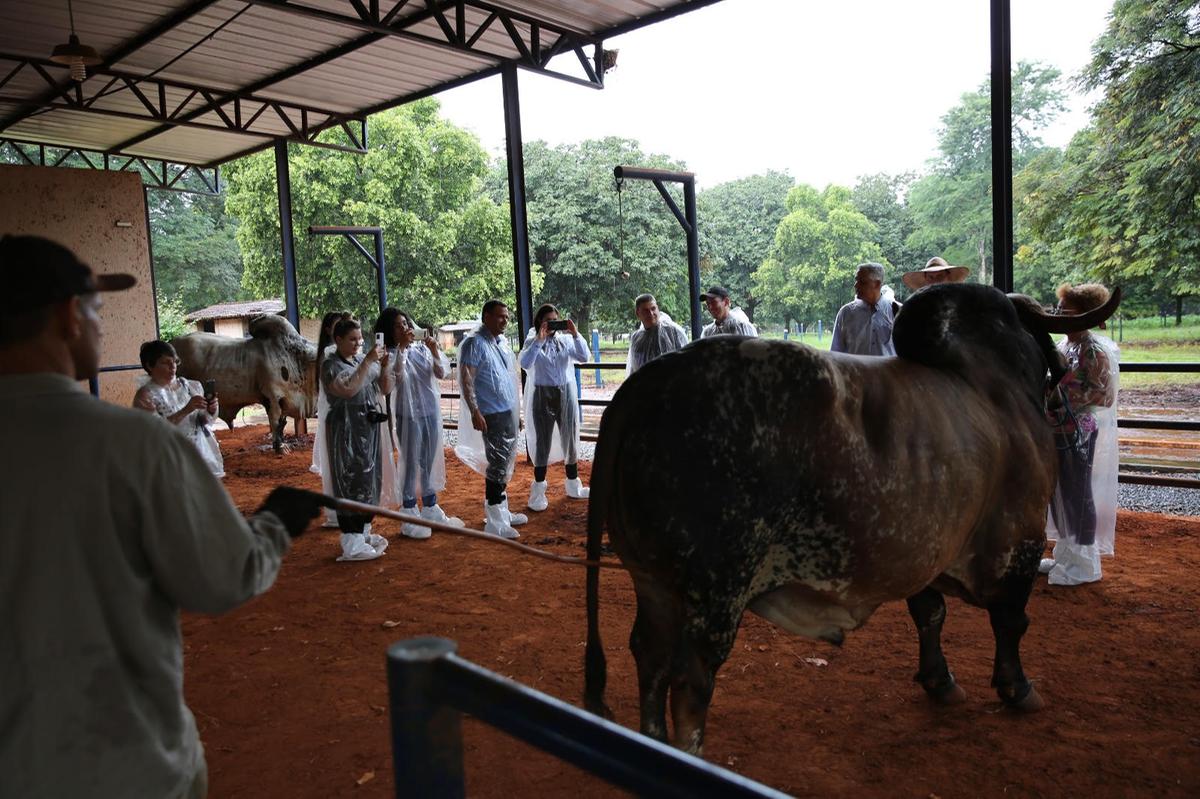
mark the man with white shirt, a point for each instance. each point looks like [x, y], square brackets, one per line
[864, 326]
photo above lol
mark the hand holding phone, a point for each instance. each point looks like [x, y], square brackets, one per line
[378, 339]
[210, 389]
[555, 325]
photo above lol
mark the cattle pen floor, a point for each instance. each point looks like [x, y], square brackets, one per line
[290, 691]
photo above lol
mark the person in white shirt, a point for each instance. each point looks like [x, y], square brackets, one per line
[657, 334]
[864, 325]
[549, 356]
[180, 401]
[727, 320]
[112, 524]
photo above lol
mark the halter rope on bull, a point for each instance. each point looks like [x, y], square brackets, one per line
[363, 508]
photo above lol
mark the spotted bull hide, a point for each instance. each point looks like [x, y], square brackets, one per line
[274, 367]
[811, 487]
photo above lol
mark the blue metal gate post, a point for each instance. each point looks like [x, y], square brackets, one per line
[1002, 193]
[518, 217]
[283, 187]
[427, 752]
[596, 357]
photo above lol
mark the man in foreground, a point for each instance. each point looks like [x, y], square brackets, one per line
[656, 335]
[111, 524]
[864, 325]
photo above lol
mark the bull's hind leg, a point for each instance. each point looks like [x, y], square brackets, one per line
[706, 643]
[928, 611]
[654, 642]
[1006, 609]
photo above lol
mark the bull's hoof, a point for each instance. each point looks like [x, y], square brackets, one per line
[951, 694]
[282, 449]
[1030, 702]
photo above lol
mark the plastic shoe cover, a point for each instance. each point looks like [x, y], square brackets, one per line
[410, 530]
[330, 518]
[1046, 565]
[511, 518]
[537, 496]
[356, 547]
[1075, 564]
[376, 542]
[434, 513]
[496, 523]
[576, 489]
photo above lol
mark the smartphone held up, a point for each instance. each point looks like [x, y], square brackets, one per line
[555, 325]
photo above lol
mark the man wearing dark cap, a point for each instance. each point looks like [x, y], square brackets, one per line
[111, 524]
[726, 321]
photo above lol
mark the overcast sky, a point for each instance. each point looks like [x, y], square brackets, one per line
[826, 91]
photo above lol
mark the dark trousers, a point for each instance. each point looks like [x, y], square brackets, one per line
[1075, 513]
[551, 407]
[499, 445]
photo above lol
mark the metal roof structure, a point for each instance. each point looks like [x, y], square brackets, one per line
[235, 310]
[201, 82]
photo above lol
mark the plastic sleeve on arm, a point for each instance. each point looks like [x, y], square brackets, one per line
[347, 384]
[582, 351]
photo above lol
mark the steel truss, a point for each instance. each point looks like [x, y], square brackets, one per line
[536, 41]
[158, 100]
[156, 173]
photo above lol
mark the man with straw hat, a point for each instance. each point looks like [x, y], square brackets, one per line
[936, 271]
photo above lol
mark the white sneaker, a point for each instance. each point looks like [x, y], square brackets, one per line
[576, 489]
[355, 546]
[376, 542]
[497, 523]
[1046, 565]
[512, 518]
[537, 496]
[330, 518]
[418, 531]
[434, 513]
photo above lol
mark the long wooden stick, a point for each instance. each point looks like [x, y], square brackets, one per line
[350, 506]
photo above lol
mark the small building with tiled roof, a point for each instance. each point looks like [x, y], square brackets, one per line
[233, 318]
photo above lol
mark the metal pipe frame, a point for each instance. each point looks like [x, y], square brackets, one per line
[544, 40]
[1002, 192]
[430, 686]
[236, 112]
[287, 241]
[156, 173]
[686, 219]
[517, 211]
[376, 260]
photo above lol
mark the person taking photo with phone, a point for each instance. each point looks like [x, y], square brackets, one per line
[552, 348]
[354, 432]
[182, 402]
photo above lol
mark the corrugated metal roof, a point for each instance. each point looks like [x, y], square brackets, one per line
[172, 66]
[233, 310]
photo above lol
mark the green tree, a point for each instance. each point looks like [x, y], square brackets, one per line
[1125, 202]
[446, 243]
[882, 198]
[196, 258]
[818, 246]
[737, 222]
[952, 205]
[598, 251]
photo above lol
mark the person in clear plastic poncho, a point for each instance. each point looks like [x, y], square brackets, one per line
[727, 321]
[325, 348]
[354, 430]
[417, 366]
[180, 401]
[489, 425]
[657, 334]
[551, 401]
[1083, 509]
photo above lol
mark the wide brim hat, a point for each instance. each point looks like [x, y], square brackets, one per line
[918, 278]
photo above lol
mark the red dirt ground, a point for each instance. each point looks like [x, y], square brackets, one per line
[290, 691]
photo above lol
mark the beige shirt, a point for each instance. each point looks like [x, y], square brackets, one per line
[110, 523]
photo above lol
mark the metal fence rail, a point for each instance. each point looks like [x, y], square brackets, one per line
[430, 687]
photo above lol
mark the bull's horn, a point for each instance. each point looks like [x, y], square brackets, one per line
[1036, 316]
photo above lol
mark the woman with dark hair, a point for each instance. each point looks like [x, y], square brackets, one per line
[178, 400]
[1084, 505]
[416, 407]
[320, 456]
[549, 356]
[352, 432]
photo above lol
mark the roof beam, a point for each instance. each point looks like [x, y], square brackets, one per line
[156, 173]
[236, 112]
[458, 35]
[124, 51]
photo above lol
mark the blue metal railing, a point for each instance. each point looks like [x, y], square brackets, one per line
[430, 687]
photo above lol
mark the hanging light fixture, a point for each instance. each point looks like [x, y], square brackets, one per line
[73, 54]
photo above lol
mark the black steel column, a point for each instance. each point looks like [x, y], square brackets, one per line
[283, 187]
[1002, 193]
[519, 219]
[427, 751]
[380, 271]
[693, 249]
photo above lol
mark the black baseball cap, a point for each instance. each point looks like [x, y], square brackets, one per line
[35, 272]
[716, 291]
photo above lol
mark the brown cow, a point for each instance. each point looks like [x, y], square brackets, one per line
[275, 367]
[811, 487]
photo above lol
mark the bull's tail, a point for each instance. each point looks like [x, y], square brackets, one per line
[595, 668]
